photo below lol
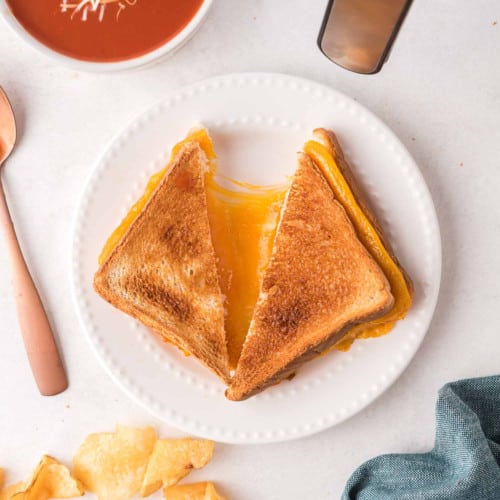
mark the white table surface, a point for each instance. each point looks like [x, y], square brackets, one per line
[440, 93]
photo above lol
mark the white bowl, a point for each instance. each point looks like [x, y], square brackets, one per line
[166, 49]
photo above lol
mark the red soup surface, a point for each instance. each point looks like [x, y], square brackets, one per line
[104, 30]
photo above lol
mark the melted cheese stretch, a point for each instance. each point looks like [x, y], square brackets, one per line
[243, 222]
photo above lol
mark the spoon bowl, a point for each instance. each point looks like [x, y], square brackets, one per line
[7, 128]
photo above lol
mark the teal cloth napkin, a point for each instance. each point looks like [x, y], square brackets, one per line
[464, 463]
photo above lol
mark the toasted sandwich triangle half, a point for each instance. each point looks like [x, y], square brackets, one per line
[163, 271]
[320, 281]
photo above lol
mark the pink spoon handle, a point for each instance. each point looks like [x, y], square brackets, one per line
[39, 342]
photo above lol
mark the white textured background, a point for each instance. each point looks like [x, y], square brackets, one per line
[440, 93]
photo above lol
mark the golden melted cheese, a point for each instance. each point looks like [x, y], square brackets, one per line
[371, 240]
[243, 220]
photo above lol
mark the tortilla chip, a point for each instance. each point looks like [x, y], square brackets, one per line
[112, 464]
[173, 459]
[194, 491]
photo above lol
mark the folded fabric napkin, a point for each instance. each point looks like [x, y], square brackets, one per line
[465, 461]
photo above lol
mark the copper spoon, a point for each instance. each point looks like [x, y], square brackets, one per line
[39, 342]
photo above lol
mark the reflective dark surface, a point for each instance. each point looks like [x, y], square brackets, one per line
[357, 34]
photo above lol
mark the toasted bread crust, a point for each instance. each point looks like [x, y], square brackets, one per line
[330, 141]
[320, 281]
[163, 272]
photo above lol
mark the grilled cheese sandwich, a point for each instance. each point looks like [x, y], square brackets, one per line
[163, 270]
[244, 231]
[320, 281]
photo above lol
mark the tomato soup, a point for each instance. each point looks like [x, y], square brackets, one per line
[104, 30]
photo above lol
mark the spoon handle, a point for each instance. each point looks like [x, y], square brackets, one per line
[43, 355]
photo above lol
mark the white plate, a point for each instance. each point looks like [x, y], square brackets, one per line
[258, 122]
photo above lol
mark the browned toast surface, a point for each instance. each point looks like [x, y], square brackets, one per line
[329, 139]
[163, 272]
[320, 281]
